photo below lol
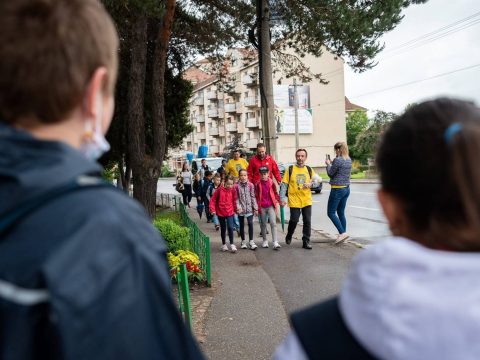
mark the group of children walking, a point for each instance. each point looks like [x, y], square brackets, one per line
[245, 200]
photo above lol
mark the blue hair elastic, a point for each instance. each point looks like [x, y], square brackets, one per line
[451, 131]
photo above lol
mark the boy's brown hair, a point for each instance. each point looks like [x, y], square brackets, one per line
[49, 49]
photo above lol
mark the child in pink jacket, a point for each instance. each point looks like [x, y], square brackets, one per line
[223, 204]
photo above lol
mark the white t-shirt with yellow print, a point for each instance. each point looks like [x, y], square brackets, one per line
[298, 197]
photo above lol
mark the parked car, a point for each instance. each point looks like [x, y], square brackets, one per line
[213, 163]
[316, 187]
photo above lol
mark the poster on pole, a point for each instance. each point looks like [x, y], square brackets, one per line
[284, 102]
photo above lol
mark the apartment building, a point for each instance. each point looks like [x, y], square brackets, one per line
[221, 109]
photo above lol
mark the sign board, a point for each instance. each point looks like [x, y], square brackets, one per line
[284, 102]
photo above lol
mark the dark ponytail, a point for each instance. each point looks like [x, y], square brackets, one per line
[428, 159]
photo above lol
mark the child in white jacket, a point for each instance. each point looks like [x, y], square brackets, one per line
[246, 208]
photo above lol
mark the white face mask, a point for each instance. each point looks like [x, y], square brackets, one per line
[94, 144]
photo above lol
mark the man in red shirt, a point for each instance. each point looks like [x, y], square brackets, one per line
[259, 160]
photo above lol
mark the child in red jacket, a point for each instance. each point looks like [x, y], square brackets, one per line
[223, 203]
[267, 200]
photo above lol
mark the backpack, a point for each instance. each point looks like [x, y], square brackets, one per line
[179, 185]
[290, 170]
[12, 217]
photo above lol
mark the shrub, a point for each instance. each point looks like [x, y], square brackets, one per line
[176, 236]
[355, 171]
[363, 167]
[165, 172]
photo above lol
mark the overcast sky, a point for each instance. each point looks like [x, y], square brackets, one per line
[400, 65]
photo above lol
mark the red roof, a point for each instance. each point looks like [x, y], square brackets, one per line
[349, 106]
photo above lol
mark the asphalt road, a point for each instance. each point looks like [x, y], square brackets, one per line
[365, 220]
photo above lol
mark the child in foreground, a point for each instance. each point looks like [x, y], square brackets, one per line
[414, 296]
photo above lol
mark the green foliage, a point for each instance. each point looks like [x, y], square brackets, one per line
[368, 140]
[357, 122]
[171, 215]
[176, 236]
[110, 173]
[177, 93]
[348, 29]
[166, 171]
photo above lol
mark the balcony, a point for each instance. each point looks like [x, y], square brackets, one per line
[231, 127]
[201, 135]
[214, 149]
[198, 101]
[252, 123]
[233, 87]
[252, 143]
[251, 101]
[250, 79]
[215, 113]
[217, 131]
[240, 127]
[200, 118]
[238, 106]
[212, 95]
[230, 107]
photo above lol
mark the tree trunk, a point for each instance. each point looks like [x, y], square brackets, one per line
[158, 91]
[136, 117]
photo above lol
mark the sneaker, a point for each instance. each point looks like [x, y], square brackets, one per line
[244, 244]
[233, 248]
[276, 245]
[341, 238]
[224, 247]
[252, 244]
[265, 244]
[217, 227]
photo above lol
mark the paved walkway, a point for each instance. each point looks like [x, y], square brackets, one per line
[244, 314]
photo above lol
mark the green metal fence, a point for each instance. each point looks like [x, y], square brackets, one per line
[184, 303]
[199, 242]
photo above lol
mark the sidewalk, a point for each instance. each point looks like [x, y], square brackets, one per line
[246, 317]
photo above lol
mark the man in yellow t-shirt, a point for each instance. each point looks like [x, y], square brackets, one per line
[297, 187]
[236, 164]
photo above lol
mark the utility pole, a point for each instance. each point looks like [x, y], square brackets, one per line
[265, 76]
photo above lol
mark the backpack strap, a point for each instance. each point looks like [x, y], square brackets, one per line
[309, 171]
[331, 340]
[11, 217]
[290, 169]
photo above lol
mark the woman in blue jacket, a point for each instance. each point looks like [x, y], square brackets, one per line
[339, 173]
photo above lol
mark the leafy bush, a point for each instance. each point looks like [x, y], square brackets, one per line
[176, 236]
[165, 172]
[355, 171]
[363, 167]
[172, 215]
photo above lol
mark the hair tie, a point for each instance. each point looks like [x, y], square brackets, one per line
[451, 131]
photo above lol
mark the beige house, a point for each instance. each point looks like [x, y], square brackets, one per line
[223, 109]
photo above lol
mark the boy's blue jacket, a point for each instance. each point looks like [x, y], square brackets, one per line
[94, 252]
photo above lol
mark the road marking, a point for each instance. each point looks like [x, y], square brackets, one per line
[355, 192]
[364, 208]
